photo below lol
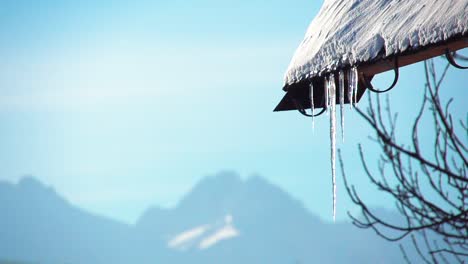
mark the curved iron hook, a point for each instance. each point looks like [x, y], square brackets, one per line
[321, 112]
[452, 61]
[302, 110]
[395, 81]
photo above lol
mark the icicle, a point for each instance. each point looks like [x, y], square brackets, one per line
[325, 93]
[332, 97]
[355, 85]
[350, 88]
[341, 87]
[312, 106]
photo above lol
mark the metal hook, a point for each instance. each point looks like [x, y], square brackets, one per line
[452, 61]
[369, 86]
[321, 112]
[301, 109]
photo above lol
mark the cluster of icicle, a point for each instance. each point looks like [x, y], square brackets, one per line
[331, 93]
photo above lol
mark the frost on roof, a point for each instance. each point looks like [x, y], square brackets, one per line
[347, 32]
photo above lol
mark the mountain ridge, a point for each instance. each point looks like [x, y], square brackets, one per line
[223, 218]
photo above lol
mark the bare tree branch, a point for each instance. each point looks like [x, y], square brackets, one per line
[430, 188]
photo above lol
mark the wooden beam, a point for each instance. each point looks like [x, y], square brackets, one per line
[414, 56]
[298, 93]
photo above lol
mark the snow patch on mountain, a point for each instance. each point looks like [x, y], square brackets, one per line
[228, 231]
[204, 236]
[185, 239]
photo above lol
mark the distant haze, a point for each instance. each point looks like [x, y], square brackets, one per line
[123, 104]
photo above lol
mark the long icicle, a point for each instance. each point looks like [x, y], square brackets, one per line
[350, 88]
[332, 97]
[341, 87]
[355, 85]
[312, 106]
[325, 93]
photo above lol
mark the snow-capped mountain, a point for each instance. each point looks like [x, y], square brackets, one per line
[224, 219]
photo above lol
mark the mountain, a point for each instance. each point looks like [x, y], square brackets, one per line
[39, 225]
[223, 219]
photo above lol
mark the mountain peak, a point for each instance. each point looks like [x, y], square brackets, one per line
[33, 186]
[226, 193]
[213, 187]
[224, 178]
[29, 182]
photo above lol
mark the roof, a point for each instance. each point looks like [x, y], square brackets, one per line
[351, 32]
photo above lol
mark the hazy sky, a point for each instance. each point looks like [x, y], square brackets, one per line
[120, 105]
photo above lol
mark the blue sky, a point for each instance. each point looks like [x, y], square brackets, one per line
[122, 105]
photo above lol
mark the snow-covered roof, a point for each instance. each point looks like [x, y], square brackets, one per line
[349, 32]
